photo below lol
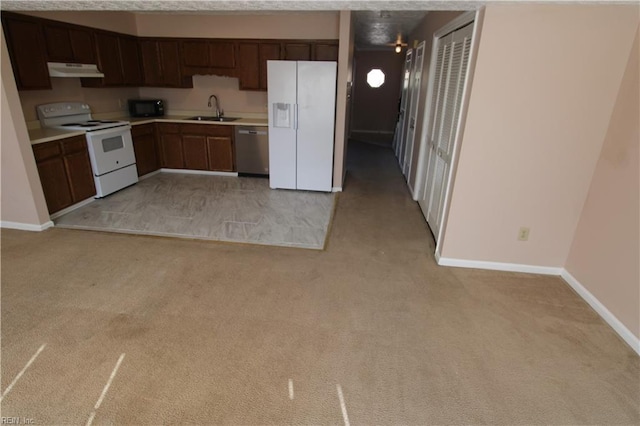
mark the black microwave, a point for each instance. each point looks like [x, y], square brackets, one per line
[146, 107]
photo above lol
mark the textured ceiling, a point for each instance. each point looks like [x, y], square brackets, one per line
[377, 23]
[378, 29]
[236, 5]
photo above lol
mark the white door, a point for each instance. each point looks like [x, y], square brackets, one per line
[450, 71]
[402, 117]
[314, 121]
[414, 90]
[281, 100]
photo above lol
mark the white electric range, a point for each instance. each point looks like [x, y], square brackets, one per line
[109, 143]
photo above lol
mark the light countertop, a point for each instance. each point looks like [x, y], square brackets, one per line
[46, 134]
[41, 135]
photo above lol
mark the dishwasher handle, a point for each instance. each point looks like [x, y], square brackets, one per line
[251, 132]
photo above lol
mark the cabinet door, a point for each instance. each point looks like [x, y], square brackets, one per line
[268, 52]
[222, 54]
[325, 52]
[82, 45]
[195, 152]
[150, 58]
[58, 43]
[130, 61]
[80, 175]
[297, 51]
[26, 45]
[171, 151]
[220, 151]
[170, 63]
[145, 149]
[195, 53]
[109, 58]
[249, 69]
[78, 167]
[53, 176]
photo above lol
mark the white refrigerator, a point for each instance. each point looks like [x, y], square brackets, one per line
[302, 103]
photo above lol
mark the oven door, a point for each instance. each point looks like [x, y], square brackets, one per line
[110, 149]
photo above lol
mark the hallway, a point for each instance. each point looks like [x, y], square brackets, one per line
[368, 331]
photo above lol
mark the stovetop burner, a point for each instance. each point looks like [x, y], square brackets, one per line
[73, 116]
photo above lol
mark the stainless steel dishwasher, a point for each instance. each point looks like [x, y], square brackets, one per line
[252, 150]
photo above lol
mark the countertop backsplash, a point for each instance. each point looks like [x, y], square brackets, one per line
[108, 103]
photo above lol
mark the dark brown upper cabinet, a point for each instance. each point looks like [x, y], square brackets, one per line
[161, 63]
[325, 52]
[109, 59]
[249, 65]
[118, 59]
[252, 63]
[268, 52]
[202, 56]
[130, 55]
[67, 43]
[27, 50]
[297, 51]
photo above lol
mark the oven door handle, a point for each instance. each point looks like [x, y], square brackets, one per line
[111, 131]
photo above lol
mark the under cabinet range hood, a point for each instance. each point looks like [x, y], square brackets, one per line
[60, 69]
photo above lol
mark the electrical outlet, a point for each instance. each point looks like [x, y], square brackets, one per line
[523, 234]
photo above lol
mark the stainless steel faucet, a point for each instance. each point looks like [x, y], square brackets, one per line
[219, 112]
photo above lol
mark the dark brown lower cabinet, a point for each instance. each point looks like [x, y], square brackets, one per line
[197, 146]
[145, 148]
[55, 184]
[220, 150]
[171, 151]
[195, 152]
[65, 172]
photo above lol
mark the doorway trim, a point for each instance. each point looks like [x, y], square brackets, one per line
[476, 17]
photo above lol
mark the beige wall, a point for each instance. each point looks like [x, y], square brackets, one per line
[310, 25]
[545, 83]
[225, 88]
[343, 97]
[375, 110]
[69, 90]
[304, 25]
[605, 252]
[122, 22]
[431, 23]
[22, 200]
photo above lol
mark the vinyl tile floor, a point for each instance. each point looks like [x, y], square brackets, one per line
[238, 209]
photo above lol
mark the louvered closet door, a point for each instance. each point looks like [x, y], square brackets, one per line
[450, 76]
[402, 123]
[414, 89]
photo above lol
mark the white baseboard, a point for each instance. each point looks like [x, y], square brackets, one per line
[72, 208]
[148, 175]
[336, 189]
[198, 172]
[498, 266]
[611, 319]
[26, 226]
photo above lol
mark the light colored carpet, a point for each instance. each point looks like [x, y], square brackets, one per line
[221, 208]
[213, 332]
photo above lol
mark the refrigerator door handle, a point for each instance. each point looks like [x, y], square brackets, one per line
[295, 116]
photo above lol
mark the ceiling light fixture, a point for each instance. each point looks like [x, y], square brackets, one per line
[398, 48]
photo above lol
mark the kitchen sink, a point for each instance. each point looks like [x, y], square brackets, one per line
[207, 118]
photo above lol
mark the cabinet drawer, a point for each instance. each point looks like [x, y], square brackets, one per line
[168, 127]
[46, 150]
[75, 144]
[141, 130]
[207, 129]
